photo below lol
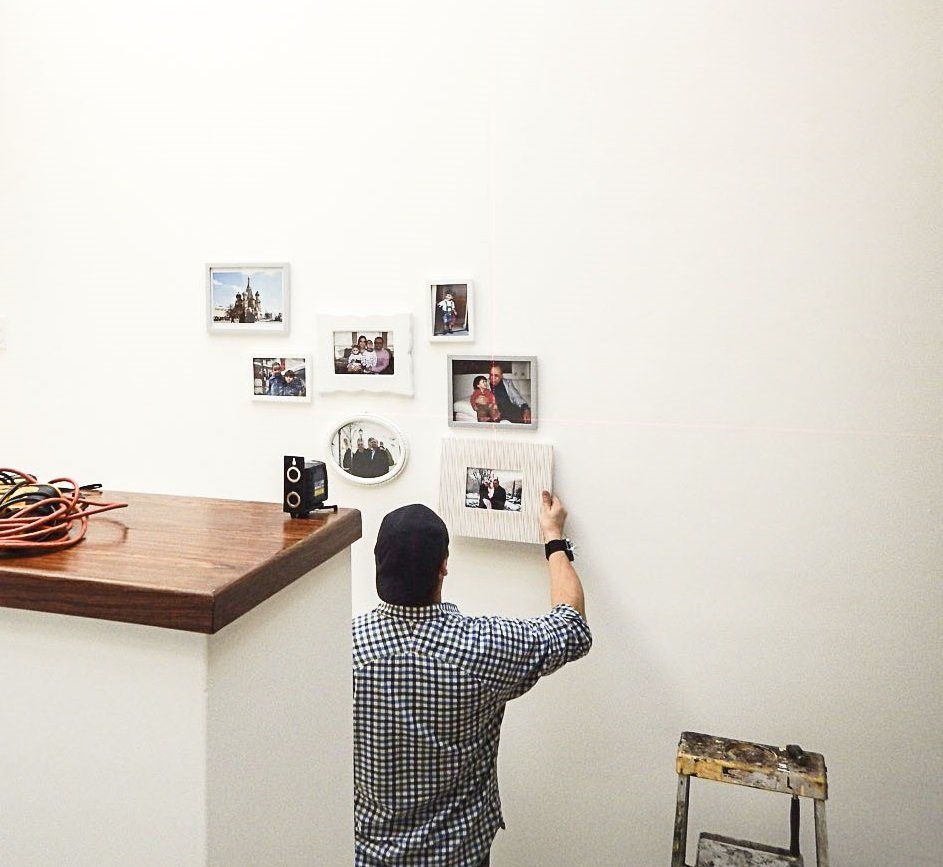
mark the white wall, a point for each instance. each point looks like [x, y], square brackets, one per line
[738, 201]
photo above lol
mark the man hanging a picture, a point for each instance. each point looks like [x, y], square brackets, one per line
[430, 689]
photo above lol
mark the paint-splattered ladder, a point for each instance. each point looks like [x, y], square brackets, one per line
[789, 770]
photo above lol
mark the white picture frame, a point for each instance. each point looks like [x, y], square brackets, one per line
[331, 375]
[463, 371]
[464, 297]
[531, 462]
[272, 293]
[261, 366]
[363, 426]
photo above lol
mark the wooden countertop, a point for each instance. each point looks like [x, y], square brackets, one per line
[177, 562]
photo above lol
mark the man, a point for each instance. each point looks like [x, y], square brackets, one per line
[500, 496]
[382, 355]
[276, 383]
[430, 686]
[360, 462]
[294, 387]
[511, 403]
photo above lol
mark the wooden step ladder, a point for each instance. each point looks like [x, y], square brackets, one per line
[789, 770]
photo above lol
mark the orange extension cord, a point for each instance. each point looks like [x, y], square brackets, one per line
[35, 518]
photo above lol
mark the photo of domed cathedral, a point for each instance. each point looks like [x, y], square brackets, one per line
[247, 298]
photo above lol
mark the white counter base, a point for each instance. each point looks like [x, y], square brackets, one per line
[123, 744]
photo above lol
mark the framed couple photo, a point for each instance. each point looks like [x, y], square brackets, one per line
[491, 489]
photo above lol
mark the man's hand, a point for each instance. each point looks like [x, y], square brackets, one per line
[552, 517]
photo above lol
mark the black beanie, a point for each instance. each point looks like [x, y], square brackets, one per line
[411, 545]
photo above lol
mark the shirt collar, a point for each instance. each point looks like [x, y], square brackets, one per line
[417, 612]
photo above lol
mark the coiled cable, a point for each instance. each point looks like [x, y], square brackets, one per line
[38, 517]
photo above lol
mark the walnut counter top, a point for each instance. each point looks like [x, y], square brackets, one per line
[178, 562]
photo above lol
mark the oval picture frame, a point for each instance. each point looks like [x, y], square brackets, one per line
[395, 447]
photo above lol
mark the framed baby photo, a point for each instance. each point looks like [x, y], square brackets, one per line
[491, 489]
[451, 314]
[367, 449]
[247, 299]
[499, 391]
[281, 379]
[365, 353]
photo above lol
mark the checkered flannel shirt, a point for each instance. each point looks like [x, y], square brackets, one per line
[430, 687]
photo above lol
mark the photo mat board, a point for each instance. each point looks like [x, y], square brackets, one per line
[499, 391]
[529, 472]
[452, 318]
[247, 299]
[367, 449]
[338, 334]
[281, 379]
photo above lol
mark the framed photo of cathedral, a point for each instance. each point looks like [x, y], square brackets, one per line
[247, 299]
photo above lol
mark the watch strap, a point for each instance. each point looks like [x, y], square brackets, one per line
[555, 545]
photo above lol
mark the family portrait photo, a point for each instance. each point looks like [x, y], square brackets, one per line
[364, 352]
[499, 490]
[280, 379]
[367, 353]
[247, 298]
[492, 390]
[451, 305]
[368, 449]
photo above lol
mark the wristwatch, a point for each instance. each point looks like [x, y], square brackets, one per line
[555, 545]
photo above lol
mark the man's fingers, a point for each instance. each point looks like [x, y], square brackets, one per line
[548, 500]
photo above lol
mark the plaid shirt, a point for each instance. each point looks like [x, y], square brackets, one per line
[430, 687]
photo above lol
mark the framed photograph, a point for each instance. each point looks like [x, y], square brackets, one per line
[365, 353]
[247, 299]
[281, 379]
[450, 304]
[493, 391]
[367, 450]
[491, 489]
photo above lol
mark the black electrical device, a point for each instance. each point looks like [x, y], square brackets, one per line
[305, 486]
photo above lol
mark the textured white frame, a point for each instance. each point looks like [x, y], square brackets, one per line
[267, 398]
[338, 470]
[280, 328]
[399, 382]
[469, 311]
[500, 426]
[535, 461]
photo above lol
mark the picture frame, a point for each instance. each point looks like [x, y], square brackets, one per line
[462, 327]
[516, 409]
[523, 469]
[342, 449]
[226, 309]
[293, 370]
[344, 363]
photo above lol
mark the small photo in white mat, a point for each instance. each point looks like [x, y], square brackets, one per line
[281, 379]
[247, 299]
[451, 307]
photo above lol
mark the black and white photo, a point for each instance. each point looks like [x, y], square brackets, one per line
[494, 489]
[368, 449]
